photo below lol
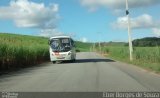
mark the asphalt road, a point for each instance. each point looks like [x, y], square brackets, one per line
[90, 73]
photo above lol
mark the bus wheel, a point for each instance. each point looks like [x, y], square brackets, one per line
[53, 62]
[58, 62]
[73, 60]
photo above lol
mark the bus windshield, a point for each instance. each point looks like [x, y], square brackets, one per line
[60, 44]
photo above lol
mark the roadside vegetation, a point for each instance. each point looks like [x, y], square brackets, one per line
[147, 57]
[22, 51]
[83, 47]
[147, 42]
[18, 51]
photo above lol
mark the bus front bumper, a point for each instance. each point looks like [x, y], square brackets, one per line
[65, 56]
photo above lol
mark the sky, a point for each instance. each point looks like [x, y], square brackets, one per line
[84, 20]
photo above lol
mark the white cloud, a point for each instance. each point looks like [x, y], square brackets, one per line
[84, 39]
[117, 4]
[156, 31]
[50, 32]
[30, 14]
[143, 21]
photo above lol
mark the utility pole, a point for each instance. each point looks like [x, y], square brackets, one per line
[94, 47]
[129, 33]
[100, 46]
[100, 42]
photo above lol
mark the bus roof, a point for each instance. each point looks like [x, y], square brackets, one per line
[60, 37]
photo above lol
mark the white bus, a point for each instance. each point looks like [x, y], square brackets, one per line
[62, 48]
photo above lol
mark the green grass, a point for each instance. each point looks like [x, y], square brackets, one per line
[22, 50]
[83, 47]
[146, 57]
